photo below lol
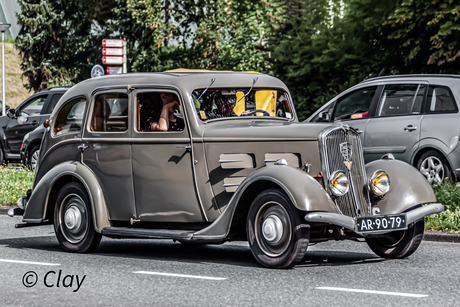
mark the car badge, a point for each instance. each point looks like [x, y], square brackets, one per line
[345, 150]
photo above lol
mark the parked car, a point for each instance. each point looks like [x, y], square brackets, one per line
[31, 113]
[30, 147]
[1, 107]
[414, 117]
[234, 164]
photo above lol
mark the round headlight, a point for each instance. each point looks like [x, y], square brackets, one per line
[338, 183]
[379, 183]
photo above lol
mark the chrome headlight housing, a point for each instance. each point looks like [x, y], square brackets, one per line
[379, 183]
[338, 183]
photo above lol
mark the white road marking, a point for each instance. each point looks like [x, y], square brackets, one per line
[29, 262]
[372, 292]
[180, 275]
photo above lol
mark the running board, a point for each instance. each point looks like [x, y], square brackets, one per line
[142, 233]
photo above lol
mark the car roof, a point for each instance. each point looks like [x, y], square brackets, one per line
[409, 76]
[186, 82]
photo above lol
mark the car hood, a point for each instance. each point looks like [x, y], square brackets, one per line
[257, 130]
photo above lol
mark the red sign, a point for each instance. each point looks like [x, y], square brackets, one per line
[112, 51]
[113, 70]
[117, 43]
[112, 60]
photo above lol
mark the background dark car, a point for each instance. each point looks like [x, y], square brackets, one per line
[1, 107]
[30, 147]
[31, 113]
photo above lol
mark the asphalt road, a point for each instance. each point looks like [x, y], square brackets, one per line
[164, 273]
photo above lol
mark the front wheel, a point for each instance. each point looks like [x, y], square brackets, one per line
[398, 244]
[73, 221]
[33, 157]
[276, 237]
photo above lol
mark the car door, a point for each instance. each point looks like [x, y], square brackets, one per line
[353, 108]
[107, 151]
[164, 185]
[27, 118]
[395, 127]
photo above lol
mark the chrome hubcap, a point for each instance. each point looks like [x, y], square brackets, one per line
[433, 170]
[72, 218]
[272, 229]
[34, 159]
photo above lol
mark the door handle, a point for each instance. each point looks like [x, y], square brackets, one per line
[410, 128]
[34, 123]
[82, 147]
[359, 131]
[187, 147]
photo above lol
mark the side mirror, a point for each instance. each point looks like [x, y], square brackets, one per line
[324, 116]
[11, 113]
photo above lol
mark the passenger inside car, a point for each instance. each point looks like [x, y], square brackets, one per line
[168, 119]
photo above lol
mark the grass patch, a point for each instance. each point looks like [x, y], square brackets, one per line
[447, 194]
[14, 182]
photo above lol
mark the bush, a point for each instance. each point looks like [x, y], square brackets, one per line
[14, 182]
[449, 220]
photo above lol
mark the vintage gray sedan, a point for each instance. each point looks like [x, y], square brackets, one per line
[213, 157]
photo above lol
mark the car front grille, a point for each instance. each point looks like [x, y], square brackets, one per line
[336, 143]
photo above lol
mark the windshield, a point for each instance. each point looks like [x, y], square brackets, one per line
[225, 103]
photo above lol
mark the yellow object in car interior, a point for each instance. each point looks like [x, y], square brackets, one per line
[265, 100]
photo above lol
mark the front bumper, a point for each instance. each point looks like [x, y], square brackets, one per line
[350, 223]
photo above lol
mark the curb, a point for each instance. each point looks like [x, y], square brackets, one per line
[4, 209]
[441, 237]
[427, 236]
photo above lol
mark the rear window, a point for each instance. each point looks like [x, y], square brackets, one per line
[397, 99]
[70, 117]
[242, 102]
[440, 100]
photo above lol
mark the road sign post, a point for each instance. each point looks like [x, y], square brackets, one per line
[114, 53]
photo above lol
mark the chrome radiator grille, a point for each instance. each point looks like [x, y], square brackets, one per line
[335, 151]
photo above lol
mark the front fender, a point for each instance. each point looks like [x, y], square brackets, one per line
[303, 190]
[408, 187]
[38, 203]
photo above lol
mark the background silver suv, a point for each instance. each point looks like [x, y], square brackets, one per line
[414, 117]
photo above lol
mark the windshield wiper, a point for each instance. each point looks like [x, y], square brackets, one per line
[206, 89]
[253, 82]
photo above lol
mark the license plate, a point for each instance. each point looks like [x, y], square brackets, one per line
[379, 223]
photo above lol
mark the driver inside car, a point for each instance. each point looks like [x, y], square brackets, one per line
[168, 121]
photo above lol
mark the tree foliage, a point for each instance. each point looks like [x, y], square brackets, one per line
[318, 47]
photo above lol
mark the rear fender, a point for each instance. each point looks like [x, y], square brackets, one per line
[408, 187]
[303, 190]
[39, 202]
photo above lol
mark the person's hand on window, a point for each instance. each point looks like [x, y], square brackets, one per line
[359, 115]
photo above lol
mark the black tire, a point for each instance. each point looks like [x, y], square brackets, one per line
[33, 157]
[401, 244]
[71, 201]
[1, 156]
[428, 164]
[288, 246]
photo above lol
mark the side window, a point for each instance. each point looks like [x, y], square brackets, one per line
[110, 113]
[70, 117]
[357, 102]
[54, 101]
[440, 100]
[159, 111]
[34, 107]
[396, 100]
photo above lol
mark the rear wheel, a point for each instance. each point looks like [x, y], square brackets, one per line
[275, 234]
[434, 167]
[73, 221]
[398, 244]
